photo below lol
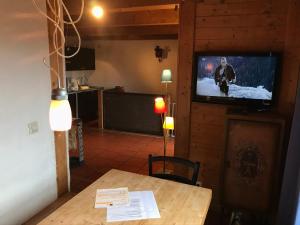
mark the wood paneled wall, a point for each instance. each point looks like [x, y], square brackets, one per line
[241, 25]
[228, 25]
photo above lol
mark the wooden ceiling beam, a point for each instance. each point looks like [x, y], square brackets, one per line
[145, 18]
[143, 8]
[74, 5]
[134, 3]
[135, 37]
[126, 33]
[128, 19]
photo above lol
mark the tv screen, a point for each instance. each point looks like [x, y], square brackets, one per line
[235, 78]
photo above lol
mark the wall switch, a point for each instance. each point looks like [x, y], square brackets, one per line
[33, 127]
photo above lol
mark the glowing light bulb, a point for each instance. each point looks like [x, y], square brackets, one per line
[60, 115]
[98, 12]
[160, 105]
[166, 76]
[169, 123]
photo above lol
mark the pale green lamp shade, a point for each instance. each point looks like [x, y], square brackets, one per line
[166, 76]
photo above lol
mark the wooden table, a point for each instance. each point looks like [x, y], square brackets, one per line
[179, 204]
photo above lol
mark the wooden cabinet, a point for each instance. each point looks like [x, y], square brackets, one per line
[131, 112]
[208, 143]
[252, 168]
[88, 105]
[72, 100]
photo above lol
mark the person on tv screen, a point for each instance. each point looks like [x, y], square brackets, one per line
[224, 75]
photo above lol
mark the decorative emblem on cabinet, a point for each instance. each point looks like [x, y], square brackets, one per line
[249, 163]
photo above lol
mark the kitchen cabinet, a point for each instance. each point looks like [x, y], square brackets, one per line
[132, 112]
[85, 105]
[88, 105]
[84, 60]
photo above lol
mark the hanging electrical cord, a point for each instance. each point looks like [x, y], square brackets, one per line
[67, 22]
[57, 21]
[60, 115]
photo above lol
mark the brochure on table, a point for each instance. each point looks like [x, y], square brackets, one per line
[136, 205]
[111, 197]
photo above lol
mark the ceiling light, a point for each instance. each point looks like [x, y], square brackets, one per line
[98, 12]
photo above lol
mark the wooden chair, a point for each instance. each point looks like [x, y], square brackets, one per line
[195, 166]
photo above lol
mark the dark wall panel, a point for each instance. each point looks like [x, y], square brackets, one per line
[131, 112]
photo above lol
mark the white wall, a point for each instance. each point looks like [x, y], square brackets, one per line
[131, 64]
[27, 162]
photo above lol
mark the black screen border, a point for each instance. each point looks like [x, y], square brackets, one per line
[253, 103]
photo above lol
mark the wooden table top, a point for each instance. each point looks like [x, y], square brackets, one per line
[178, 204]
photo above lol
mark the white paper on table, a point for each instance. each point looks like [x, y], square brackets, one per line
[111, 197]
[142, 206]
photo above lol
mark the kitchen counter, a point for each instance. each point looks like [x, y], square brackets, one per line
[87, 105]
[85, 90]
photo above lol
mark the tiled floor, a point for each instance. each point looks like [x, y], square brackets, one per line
[104, 151]
[110, 149]
[107, 150]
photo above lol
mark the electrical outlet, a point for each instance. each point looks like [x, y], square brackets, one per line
[33, 127]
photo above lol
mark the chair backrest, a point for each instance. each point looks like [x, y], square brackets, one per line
[195, 166]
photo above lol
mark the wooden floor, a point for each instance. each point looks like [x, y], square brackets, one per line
[104, 151]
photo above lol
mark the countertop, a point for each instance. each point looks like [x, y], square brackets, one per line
[86, 90]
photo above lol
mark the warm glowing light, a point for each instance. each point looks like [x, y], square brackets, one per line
[160, 106]
[60, 115]
[169, 123]
[166, 76]
[98, 12]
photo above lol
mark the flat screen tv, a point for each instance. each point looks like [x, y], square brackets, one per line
[236, 78]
